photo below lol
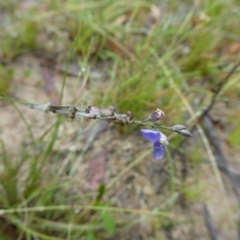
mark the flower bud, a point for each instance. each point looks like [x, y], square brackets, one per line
[185, 133]
[178, 127]
[156, 115]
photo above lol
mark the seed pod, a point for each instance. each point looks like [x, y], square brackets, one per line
[71, 112]
[129, 116]
[108, 111]
[93, 111]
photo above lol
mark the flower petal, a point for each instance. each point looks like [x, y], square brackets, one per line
[151, 135]
[163, 139]
[158, 150]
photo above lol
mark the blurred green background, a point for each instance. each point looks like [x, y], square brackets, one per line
[85, 179]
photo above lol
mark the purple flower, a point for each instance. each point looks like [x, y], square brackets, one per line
[159, 141]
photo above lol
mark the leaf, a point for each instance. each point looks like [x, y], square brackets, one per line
[109, 222]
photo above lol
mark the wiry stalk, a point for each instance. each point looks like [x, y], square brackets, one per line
[110, 115]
